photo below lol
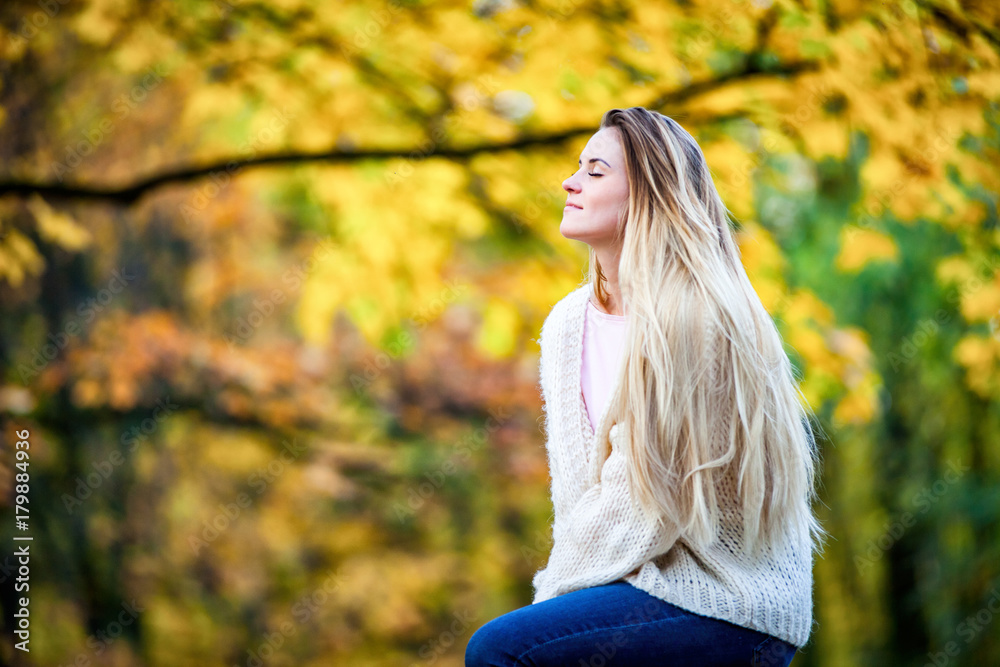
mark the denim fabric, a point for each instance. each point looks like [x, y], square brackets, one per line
[618, 624]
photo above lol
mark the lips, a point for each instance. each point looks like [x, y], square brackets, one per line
[569, 205]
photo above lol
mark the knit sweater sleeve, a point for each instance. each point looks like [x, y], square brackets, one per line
[567, 469]
[604, 538]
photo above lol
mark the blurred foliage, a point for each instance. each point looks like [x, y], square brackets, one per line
[272, 275]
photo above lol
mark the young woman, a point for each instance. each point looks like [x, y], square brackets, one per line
[681, 451]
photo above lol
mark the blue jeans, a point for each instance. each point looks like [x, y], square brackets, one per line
[618, 624]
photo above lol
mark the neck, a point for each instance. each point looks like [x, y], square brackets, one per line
[609, 267]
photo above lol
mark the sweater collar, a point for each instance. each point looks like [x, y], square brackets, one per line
[573, 344]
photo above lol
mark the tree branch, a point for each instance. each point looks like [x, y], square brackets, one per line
[960, 25]
[128, 194]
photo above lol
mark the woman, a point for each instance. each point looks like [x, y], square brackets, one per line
[683, 532]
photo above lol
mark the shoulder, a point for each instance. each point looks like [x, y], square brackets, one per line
[566, 305]
[552, 335]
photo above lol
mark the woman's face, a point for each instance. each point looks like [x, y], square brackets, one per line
[596, 192]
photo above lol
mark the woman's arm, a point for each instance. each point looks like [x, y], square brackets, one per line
[567, 468]
[604, 539]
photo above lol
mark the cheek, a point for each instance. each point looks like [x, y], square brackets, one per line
[611, 199]
[622, 195]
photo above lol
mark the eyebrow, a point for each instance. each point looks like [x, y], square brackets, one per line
[595, 159]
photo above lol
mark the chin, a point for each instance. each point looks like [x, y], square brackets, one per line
[569, 232]
[577, 232]
[572, 229]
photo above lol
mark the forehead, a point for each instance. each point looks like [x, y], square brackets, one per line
[604, 144]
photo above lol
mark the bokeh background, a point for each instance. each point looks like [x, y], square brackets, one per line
[272, 276]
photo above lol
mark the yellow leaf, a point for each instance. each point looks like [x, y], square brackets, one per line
[760, 253]
[732, 169]
[58, 227]
[498, 334]
[809, 343]
[18, 256]
[826, 137]
[860, 246]
[980, 356]
[982, 304]
[854, 409]
[850, 343]
[804, 305]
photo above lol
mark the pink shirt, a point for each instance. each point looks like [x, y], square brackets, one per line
[603, 345]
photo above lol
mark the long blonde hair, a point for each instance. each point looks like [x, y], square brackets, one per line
[706, 389]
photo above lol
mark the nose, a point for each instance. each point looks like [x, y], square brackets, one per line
[569, 185]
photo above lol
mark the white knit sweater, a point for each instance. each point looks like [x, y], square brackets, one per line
[598, 538]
